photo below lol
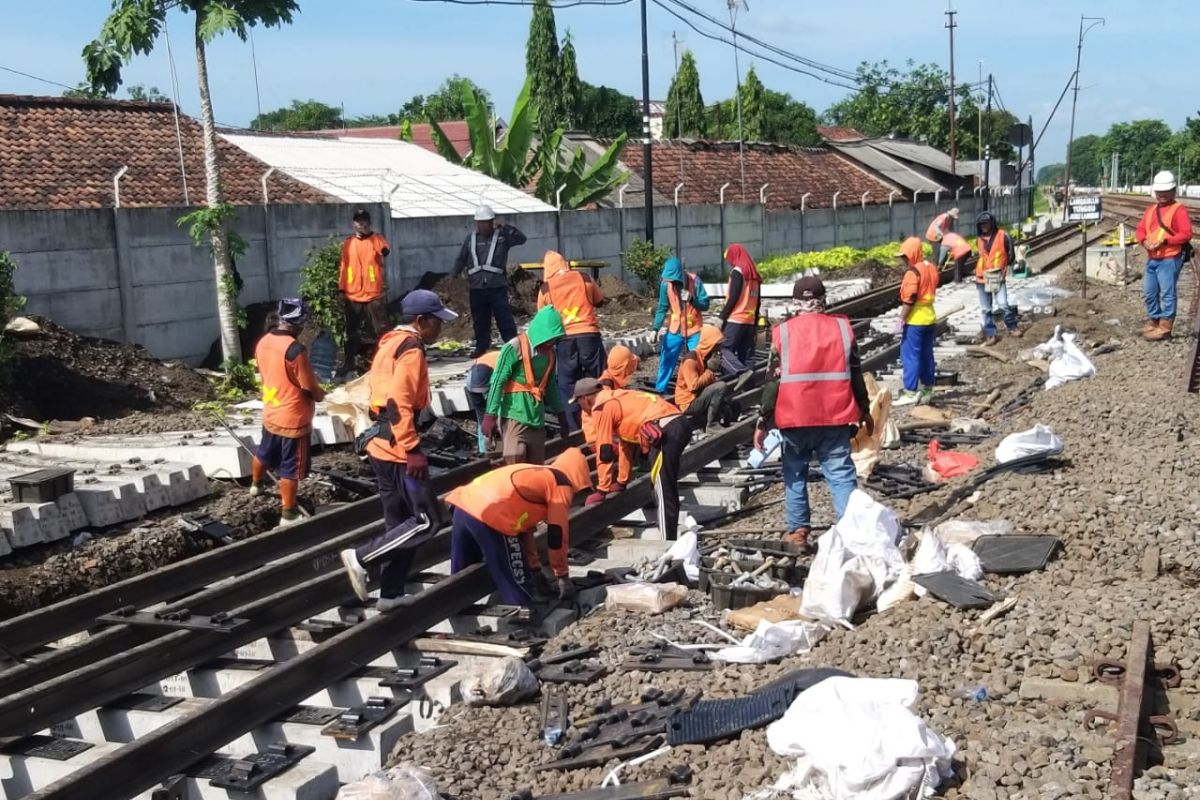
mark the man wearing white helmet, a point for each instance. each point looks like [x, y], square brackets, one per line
[484, 256]
[1166, 233]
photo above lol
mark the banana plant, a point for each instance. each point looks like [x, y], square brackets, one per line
[580, 184]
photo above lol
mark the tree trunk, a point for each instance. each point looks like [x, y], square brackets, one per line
[231, 344]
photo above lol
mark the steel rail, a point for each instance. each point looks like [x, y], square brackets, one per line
[138, 766]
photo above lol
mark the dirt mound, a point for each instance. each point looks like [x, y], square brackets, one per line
[878, 273]
[58, 374]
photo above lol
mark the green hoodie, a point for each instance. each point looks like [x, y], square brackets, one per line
[546, 326]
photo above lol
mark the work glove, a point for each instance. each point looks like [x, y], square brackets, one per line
[489, 425]
[416, 465]
[541, 584]
[564, 424]
[760, 437]
[899, 328]
[594, 498]
[654, 337]
[869, 423]
[566, 588]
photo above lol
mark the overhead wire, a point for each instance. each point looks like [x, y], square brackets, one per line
[35, 77]
[553, 3]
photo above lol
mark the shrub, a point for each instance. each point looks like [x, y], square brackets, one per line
[645, 260]
[319, 287]
[10, 302]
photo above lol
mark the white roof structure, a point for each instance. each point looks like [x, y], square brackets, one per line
[415, 182]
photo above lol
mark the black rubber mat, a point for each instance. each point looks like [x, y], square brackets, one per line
[1015, 552]
[957, 591]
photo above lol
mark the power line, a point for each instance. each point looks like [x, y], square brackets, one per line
[553, 3]
[35, 77]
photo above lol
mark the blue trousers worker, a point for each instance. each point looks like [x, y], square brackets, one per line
[916, 356]
[985, 303]
[672, 349]
[485, 304]
[411, 514]
[830, 444]
[1159, 286]
[471, 541]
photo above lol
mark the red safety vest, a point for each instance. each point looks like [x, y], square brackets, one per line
[814, 379]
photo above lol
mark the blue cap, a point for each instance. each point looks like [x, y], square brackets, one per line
[419, 302]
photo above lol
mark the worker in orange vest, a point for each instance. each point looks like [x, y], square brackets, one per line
[524, 388]
[681, 298]
[917, 323]
[739, 317]
[937, 230]
[818, 399]
[699, 392]
[496, 514]
[621, 367]
[290, 394]
[1165, 232]
[399, 391]
[363, 285]
[996, 253]
[956, 250]
[479, 378]
[632, 420]
[581, 351]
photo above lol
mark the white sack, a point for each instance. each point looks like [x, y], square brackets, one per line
[1067, 361]
[402, 782]
[1038, 439]
[504, 683]
[773, 640]
[857, 738]
[686, 549]
[966, 531]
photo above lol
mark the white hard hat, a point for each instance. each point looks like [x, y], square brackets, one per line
[485, 213]
[1164, 181]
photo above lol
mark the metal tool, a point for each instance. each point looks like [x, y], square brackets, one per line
[304, 512]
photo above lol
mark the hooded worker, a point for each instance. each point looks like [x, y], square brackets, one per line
[955, 250]
[496, 514]
[580, 351]
[996, 253]
[739, 317]
[698, 391]
[290, 393]
[622, 365]
[625, 420]
[524, 388]
[681, 298]
[918, 323]
[938, 228]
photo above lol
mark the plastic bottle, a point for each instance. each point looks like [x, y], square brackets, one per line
[976, 692]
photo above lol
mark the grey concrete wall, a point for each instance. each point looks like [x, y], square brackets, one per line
[134, 275]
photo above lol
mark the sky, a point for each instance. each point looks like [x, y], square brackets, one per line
[372, 55]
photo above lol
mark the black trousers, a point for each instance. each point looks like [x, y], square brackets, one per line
[676, 435]
[486, 304]
[706, 408]
[577, 357]
[374, 314]
[411, 515]
[737, 346]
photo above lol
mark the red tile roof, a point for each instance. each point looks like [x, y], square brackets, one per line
[833, 133]
[456, 131]
[790, 171]
[62, 153]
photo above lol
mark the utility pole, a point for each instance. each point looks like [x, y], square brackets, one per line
[1032, 173]
[678, 105]
[1074, 101]
[647, 155]
[951, 25]
[979, 114]
[987, 152]
[733, 9]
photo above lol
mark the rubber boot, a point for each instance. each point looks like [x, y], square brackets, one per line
[1150, 327]
[1163, 331]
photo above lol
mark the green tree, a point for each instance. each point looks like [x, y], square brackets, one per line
[444, 104]
[132, 28]
[788, 121]
[753, 108]
[514, 160]
[151, 95]
[301, 115]
[572, 86]
[1089, 160]
[1144, 147]
[607, 113]
[1051, 174]
[684, 115]
[544, 70]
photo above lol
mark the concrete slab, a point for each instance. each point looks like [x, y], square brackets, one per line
[27, 524]
[215, 456]
[5, 546]
[28, 774]
[714, 494]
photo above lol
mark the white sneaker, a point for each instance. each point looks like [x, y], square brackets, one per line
[905, 398]
[385, 604]
[356, 574]
[285, 520]
[255, 489]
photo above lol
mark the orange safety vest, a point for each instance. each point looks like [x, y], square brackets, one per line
[362, 277]
[940, 221]
[538, 390]
[383, 364]
[814, 378]
[919, 287]
[512, 499]
[285, 405]
[635, 409]
[993, 257]
[679, 322]
[568, 293]
[1156, 235]
[746, 310]
[958, 246]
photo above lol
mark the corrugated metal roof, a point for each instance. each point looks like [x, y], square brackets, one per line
[415, 182]
[891, 168]
[918, 153]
